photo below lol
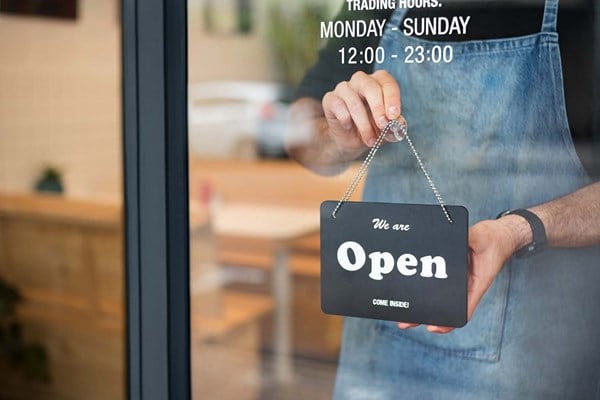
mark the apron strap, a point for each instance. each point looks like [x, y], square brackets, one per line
[550, 16]
[397, 17]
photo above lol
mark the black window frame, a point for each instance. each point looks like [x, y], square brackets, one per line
[596, 94]
[156, 198]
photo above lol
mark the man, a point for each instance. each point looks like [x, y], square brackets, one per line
[492, 126]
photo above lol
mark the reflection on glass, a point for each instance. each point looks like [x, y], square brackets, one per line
[253, 225]
[61, 236]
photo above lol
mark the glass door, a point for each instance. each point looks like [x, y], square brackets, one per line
[235, 135]
[264, 78]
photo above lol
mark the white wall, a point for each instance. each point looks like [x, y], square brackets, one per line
[228, 57]
[236, 57]
[60, 100]
[60, 91]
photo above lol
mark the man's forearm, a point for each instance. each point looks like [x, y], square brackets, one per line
[570, 221]
[573, 220]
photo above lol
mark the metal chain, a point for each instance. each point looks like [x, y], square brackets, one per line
[400, 132]
[437, 194]
[362, 170]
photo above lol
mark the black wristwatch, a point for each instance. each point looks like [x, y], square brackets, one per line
[538, 231]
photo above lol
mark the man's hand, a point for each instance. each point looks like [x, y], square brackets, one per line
[356, 110]
[570, 221]
[326, 136]
[491, 244]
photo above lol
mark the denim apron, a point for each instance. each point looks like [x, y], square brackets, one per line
[492, 129]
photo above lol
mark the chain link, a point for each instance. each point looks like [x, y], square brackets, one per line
[400, 131]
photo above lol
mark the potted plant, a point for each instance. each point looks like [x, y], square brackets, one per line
[50, 181]
[30, 359]
[294, 34]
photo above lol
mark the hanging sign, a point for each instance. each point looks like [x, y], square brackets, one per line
[397, 262]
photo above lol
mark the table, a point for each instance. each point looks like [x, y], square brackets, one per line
[280, 225]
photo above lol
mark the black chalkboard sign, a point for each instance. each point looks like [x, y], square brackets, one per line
[397, 262]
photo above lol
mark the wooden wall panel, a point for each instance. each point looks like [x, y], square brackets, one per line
[282, 183]
[104, 250]
[45, 258]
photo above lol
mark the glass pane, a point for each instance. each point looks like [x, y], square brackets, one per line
[61, 233]
[285, 101]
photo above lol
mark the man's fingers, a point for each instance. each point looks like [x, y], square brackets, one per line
[406, 325]
[430, 328]
[439, 329]
[335, 110]
[365, 103]
[358, 111]
[391, 94]
[370, 90]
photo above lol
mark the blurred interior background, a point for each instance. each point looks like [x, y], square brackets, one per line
[254, 271]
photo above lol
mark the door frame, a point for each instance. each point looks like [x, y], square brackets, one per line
[156, 198]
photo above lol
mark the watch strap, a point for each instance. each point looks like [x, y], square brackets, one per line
[539, 239]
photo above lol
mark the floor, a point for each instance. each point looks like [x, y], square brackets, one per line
[312, 380]
[221, 371]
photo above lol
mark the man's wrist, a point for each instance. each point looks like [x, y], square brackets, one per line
[518, 231]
